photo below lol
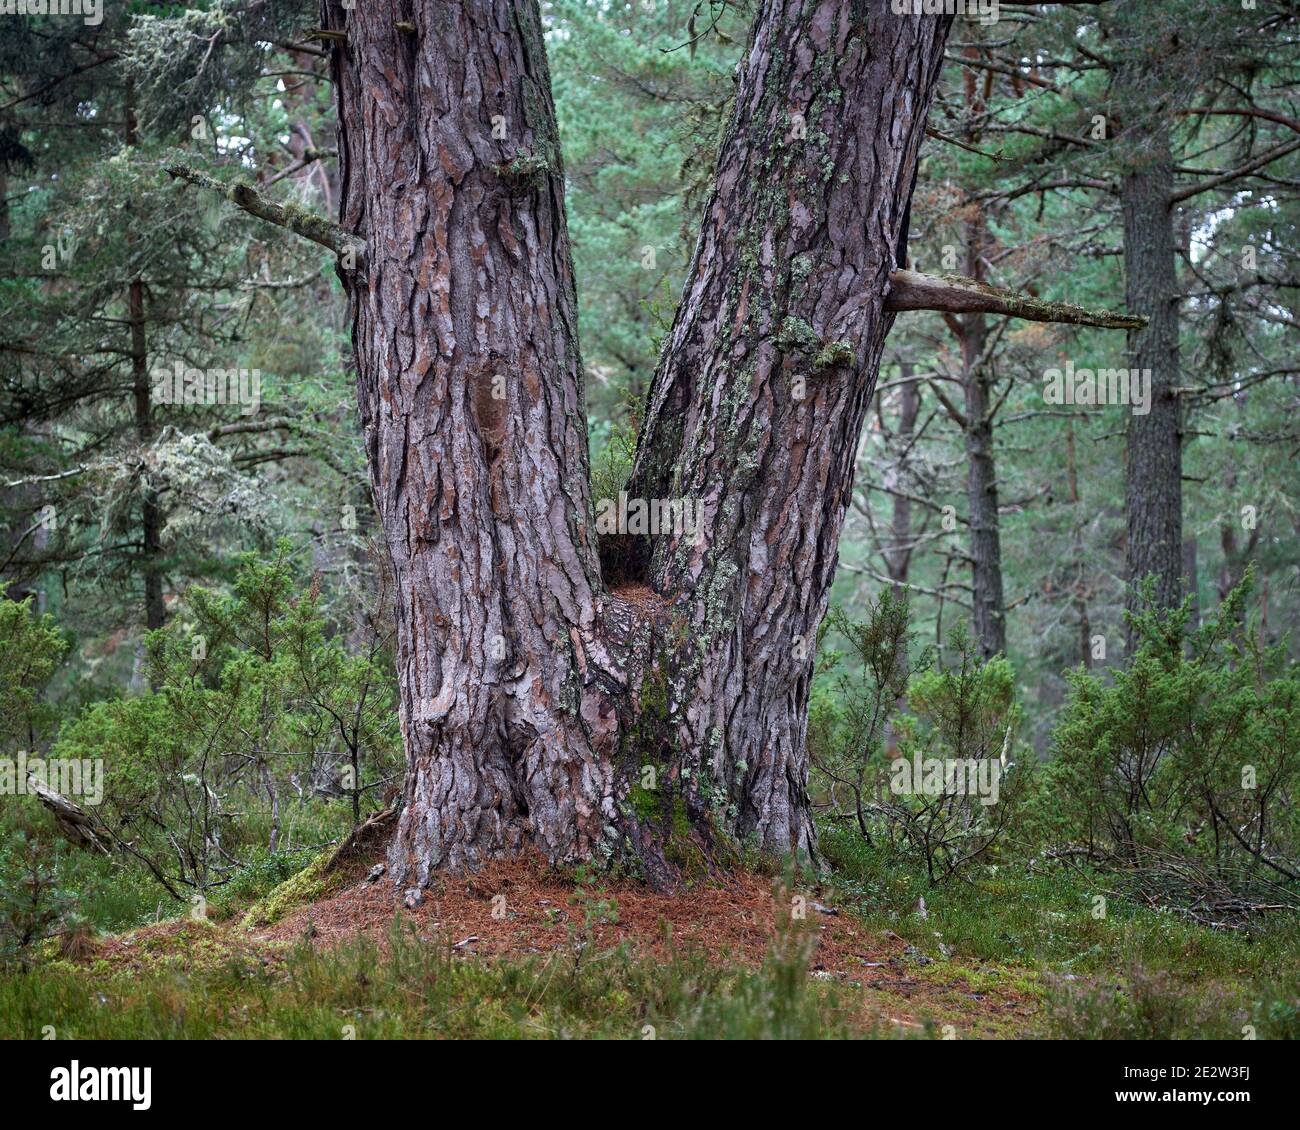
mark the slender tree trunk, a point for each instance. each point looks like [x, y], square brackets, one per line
[151, 514]
[971, 331]
[538, 708]
[898, 551]
[989, 604]
[976, 422]
[1191, 578]
[300, 100]
[1154, 493]
[1082, 588]
[155, 610]
[1236, 556]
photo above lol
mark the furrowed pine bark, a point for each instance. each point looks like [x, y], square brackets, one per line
[758, 401]
[469, 382]
[1154, 491]
[538, 708]
[663, 722]
[1153, 497]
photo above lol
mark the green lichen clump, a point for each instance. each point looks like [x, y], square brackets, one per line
[526, 170]
[797, 336]
[833, 354]
[689, 836]
[647, 742]
[643, 802]
[310, 883]
[681, 846]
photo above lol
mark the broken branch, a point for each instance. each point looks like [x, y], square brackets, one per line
[289, 216]
[73, 820]
[955, 294]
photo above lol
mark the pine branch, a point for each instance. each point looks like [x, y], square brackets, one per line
[954, 294]
[289, 216]
[1259, 162]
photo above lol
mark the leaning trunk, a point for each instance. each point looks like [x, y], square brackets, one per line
[756, 407]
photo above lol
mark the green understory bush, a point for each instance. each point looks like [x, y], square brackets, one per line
[918, 753]
[1180, 771]
[262, 736]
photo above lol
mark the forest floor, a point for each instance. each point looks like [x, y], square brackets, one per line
[520, 949]
[523, 910]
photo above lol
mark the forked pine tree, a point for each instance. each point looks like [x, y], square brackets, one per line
[661, 718]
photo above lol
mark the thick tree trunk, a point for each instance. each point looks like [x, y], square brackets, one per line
[537, 708]
[1154, 494]
[469, 382]
[757, 405]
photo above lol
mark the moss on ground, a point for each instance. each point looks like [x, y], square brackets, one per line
[311, 883]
